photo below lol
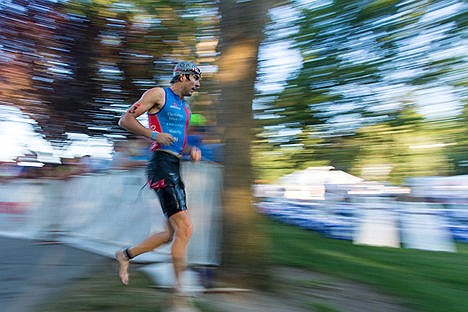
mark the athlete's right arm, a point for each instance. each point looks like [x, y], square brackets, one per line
[152, 99]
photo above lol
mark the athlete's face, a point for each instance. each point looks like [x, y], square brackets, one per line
[191, 84]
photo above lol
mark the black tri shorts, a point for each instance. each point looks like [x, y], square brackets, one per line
[164, 178]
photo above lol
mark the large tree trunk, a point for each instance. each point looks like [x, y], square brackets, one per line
[242, 27]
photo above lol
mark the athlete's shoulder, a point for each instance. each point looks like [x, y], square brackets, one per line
[156, 92]
[157, 96]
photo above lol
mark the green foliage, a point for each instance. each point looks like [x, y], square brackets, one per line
[354, 102]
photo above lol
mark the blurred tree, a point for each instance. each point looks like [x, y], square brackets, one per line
[242, 25]
[362, 63]
[75, 66]
[456, 135]
[404, 144]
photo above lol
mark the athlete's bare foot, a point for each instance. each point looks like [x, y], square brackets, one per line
[123, 266]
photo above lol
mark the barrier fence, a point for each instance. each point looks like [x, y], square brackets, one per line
[376, 221]
[106, 211]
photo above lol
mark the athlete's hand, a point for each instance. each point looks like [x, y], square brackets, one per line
[164, 138]
[195, 153]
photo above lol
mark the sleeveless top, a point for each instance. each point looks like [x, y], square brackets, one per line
[173, 118]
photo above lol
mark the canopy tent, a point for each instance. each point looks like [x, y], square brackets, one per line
[311, 183]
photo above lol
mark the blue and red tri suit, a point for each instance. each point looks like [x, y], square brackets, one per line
[173, 118]
[164, 166]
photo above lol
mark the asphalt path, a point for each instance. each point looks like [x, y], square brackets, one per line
[31, 272]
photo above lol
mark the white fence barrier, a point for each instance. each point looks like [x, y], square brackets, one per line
[376, 221]
[103, 212]
[378, 225]
[423, 227]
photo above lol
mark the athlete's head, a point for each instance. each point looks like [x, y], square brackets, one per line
[185, 68]
[188, 74]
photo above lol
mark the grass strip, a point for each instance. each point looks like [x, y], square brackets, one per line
[426, 280]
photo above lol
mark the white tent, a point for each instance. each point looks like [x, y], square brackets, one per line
[311, 182]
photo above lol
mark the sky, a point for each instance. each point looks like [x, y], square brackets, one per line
[18, 137]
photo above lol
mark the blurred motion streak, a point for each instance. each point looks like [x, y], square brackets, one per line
[372, 92]
[373, 82]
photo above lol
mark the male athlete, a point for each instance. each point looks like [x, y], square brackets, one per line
[169, 117]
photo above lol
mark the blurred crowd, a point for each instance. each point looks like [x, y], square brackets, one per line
[126, 154]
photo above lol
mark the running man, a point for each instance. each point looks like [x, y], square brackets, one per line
[169, 117]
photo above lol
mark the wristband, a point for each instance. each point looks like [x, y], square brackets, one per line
[154, 134]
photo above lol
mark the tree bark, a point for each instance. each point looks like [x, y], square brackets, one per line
[242, 25]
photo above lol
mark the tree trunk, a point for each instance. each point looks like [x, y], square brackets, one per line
[242, 27]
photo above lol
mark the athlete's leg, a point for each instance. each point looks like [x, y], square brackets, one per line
[182, 226]
[152, 242]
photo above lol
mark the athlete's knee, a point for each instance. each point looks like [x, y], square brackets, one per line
[167, 236]
[184, 231]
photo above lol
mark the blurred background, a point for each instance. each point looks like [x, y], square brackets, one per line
[377, 89]
[349, 118]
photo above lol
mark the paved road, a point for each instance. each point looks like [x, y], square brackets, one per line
[32, 271]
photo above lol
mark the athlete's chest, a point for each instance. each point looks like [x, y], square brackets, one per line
[176, 109]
